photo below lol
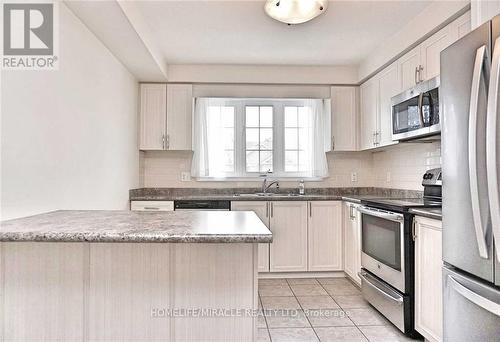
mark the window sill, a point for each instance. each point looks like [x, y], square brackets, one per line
[258, 179]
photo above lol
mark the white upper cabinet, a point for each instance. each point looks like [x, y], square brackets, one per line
[430, 52]
[152, 116]
[325, 236]
[179, 116]
[461, 26]
[368, 114]
[389, 86]
[165, 116]
[483, 10]
[409, 65]
[344, 119]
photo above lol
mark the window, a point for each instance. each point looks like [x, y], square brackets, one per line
[244, 138]
[259, 138]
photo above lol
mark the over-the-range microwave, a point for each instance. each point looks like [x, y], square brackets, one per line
[415, 112]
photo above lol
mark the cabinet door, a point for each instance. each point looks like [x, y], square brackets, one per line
[461, 26]
[262, 211]
[153, 111]
[344, 119]
[430, 52]
[349, 243]
[352, 241]
[389, 86]
[288, 251]
[179, 116]
[369, 109]
[325, 236]
[408, 66]
[428, 278]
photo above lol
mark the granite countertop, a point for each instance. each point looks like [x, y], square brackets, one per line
[355, 194]
[434, 213]
[133, 226]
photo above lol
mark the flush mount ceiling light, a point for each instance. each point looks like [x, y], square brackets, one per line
[295, 11]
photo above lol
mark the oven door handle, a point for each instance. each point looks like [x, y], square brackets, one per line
[363, 275]
[382, 214]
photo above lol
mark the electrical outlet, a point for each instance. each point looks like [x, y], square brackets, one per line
[388, 177]
[354, 177]
[185, 176]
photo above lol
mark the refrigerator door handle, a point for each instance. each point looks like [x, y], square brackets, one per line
[491, 146]
[480, 301]
[479, 225]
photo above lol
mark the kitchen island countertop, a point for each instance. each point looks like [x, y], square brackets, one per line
[130, 226]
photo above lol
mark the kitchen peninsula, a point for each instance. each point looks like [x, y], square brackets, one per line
[121, 275]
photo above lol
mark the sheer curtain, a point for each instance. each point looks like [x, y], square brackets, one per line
[209, 131]
[200, 164]
[318, 165]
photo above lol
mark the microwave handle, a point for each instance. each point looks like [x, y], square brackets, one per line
[420, 109]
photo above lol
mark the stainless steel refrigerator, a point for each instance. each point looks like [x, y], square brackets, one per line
[469, 96]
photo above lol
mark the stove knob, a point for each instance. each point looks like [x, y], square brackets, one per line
[430, 175]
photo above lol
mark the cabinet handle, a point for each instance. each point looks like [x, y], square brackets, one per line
[151, 208]
[272, 209]
[163, 141]
[420, 69]
[377, 138]
[414, 230]
[416, 74]
[373, 139]
[351, 215]
[333, 143]
[267, 209]
[310, 210]
[168, 142]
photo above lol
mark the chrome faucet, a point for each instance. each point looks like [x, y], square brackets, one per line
[266, 186]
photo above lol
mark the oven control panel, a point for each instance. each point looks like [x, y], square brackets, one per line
[432, 177]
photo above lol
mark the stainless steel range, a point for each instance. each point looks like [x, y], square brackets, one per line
[387, 252]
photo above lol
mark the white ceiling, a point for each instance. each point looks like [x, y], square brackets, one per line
[239, 32]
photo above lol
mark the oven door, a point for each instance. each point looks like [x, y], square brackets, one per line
[382, 245]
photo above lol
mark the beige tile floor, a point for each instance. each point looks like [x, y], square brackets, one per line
[322, 309]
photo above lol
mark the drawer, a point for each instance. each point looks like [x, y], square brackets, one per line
[152, 205]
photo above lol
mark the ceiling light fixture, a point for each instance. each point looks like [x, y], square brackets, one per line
[295, 11]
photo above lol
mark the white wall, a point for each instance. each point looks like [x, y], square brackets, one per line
[263, 74]
[405, 162]
[163, 169]
[436, 15]
[69, 137]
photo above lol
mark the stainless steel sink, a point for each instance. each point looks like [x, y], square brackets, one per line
[266, 194]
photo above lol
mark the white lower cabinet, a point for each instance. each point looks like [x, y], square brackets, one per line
[428, 278]
[261, 208]
[352, 241]
[307, 236]
[288, 251]
[325, 236]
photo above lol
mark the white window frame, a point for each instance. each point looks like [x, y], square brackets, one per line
[278, 140]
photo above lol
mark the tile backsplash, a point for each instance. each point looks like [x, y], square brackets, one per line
[405, 164]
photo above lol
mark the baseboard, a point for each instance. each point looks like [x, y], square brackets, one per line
[272, 275]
